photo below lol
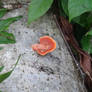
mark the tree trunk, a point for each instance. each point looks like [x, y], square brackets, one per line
[55, 72]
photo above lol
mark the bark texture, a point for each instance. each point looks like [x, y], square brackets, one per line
[54, 72]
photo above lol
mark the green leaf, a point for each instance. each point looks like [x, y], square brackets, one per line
[64, 4]
[86, 43]
[79, 32]
[1, 68]
[4, 24]
[78, 7]
[89, 33]
[89, 20]
[6, 75]
[38, 8]
[2, 12]
[1, 48]
[6, 38]
[61, 11]
[81, 20]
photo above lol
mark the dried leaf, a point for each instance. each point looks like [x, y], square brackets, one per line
[85, 63]
[85, 58]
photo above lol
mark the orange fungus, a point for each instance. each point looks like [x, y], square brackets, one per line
[46, 45]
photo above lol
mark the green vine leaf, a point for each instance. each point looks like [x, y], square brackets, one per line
[37, 8]
[78, 7]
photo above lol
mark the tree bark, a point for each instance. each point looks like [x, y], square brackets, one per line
[55, 72]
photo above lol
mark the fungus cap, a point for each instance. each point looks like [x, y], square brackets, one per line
[47, 44]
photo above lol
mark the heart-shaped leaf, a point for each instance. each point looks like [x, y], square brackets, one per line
[37, 8]
[78, 7]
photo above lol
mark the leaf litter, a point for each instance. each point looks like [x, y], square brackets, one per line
[85, 58]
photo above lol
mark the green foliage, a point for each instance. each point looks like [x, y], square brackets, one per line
[2, 12]
[5, 23]
[37, 8]
[89, 20]
[64, 5]
[85, 20]
[80, 12]
[6, 38]
[4, 76]
[86, 43]
[7, 74]
[78, 7]
[89, 33]
[1, 68]
[81, 20]
[1, 48]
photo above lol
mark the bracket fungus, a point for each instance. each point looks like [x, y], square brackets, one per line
[46, 45]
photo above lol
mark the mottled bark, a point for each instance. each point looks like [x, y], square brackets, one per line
[55, 72]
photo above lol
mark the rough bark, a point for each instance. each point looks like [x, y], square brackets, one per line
[54, 72]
